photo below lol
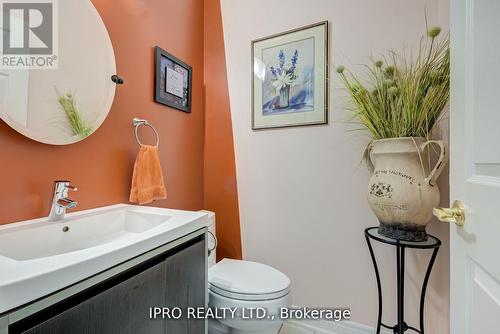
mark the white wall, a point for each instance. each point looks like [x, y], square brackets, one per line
[302, 190]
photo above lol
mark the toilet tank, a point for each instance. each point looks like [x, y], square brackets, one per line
[211, 243]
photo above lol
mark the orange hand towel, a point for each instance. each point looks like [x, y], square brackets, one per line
[147, 180]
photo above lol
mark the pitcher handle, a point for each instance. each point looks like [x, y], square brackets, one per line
[440, 164]
[367, 157]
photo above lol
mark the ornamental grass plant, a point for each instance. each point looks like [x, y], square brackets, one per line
[402, 96]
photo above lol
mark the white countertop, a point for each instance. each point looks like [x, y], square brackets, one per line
[24, 281]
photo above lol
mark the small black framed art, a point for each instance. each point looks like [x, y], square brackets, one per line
[173, 81]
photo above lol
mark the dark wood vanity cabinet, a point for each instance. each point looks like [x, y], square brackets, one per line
[121, 304]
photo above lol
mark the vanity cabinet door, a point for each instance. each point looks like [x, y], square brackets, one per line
[186, 287]
[123, 308]
[178, 279]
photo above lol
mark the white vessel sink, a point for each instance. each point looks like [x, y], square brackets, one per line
[38, 257]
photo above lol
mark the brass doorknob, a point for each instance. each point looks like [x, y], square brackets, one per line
[455, 214]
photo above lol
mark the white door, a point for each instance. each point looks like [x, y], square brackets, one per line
[475, 166]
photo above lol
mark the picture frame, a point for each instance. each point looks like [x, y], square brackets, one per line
[290, 78]
[173, 81]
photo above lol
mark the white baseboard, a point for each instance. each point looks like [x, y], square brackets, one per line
[330, 327]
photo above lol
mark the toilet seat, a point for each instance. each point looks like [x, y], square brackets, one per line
[246, 280]
[248, 297]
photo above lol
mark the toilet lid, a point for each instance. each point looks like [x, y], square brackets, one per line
[247, 280]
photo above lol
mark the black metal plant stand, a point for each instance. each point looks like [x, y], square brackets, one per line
[431, 243]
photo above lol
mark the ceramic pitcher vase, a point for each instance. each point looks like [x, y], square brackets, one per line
[402, 190]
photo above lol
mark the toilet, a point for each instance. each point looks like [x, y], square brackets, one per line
[244, 285]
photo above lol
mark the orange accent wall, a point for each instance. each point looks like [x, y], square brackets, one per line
[220, 170]
[101, 166]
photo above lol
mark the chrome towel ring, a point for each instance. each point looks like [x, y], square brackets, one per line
[137, 123]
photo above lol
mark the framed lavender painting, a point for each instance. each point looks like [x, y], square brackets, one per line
[290, 78]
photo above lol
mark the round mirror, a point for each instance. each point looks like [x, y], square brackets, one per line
[65, 103]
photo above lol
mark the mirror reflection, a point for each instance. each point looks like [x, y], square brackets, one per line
[67, 104]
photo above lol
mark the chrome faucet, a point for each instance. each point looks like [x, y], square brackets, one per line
[60, 201]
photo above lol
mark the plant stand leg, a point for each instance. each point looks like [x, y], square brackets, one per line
[379, 287]
[400, 259]
[424, 288]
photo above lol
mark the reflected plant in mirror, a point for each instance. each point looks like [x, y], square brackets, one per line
[74, 117]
